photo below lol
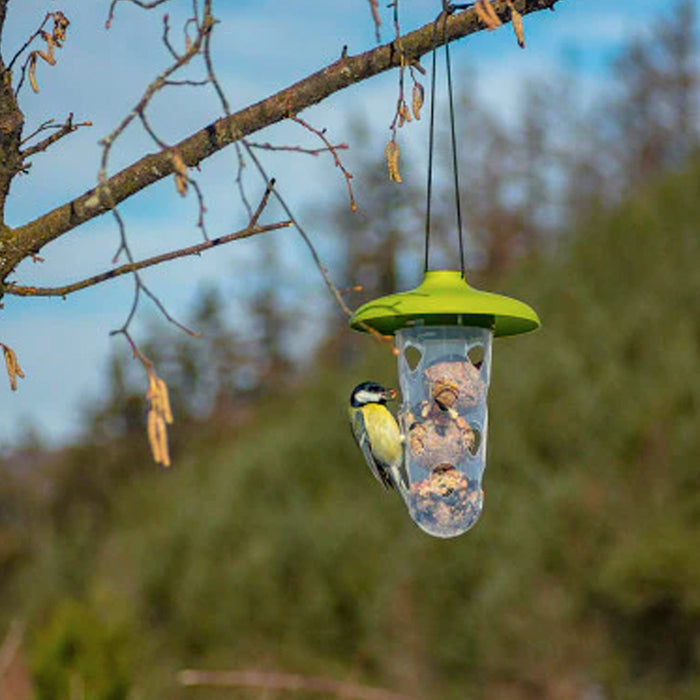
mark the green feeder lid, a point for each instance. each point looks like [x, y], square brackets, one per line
[445, 298]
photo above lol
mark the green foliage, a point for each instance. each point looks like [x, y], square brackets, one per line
[274, 548]
[77, 655]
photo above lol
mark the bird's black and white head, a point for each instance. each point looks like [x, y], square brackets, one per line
[370, 392]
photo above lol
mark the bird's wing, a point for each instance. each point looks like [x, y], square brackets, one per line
[377, 468]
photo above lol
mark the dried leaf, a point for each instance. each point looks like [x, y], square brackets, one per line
[164, 449]
[181, 184]
[181, 180]
[417, 99]
[31, 72]
[374, 7]
[517, 20]
[392, 152]
[159, 416]
[153, 440]
[12, 365]
[492, 13]
[486, 13]
[404, 113]
[53, 40]
[60, 24]
[48, 56]
[166, 410]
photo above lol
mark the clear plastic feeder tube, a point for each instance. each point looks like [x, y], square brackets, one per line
[444, 373]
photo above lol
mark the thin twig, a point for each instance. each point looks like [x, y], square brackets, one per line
[211, 73]
[239, 178]
[192, 50]
[297, 149]
[189, 83]
[149, 130]
[23, 291]
[263, 203]
[285, 681]
[300, 229]
[103, 192]
[123, 243]
[44, 126]
[29, 41]
[335, 292]
[166, 38]
[182, 179]
[374, 9]
[166, 314]
[336, 158]
[201, 218]
[145, 4]
[62, 130]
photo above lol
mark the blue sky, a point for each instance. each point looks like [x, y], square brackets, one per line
[260, 47]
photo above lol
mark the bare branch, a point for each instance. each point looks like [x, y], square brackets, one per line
[68, 127]
[211, 73]
[161, 307]
[105, 184]
[304, 235]
[145, 4]
[270, 680]
[297, 149]
[28, 42]
[201, 223]
[239, 177]
[338, 163]
[252, 230]
[3, 11]
[332, 288]
[374, 9]
[166, 38]
[53, 41]
[346, 71]
[263, 203]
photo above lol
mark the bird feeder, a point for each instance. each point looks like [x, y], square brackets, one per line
[443, 330]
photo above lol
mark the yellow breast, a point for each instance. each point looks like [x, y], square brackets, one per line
[383, 432]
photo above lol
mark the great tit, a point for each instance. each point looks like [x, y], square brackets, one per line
[376, 431]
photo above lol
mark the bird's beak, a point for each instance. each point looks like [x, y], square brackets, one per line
[390, 394]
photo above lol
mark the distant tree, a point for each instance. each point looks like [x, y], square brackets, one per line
[654, 117]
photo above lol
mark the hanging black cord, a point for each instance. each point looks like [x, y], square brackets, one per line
[431, 147]
[455, 167]
[447, 11]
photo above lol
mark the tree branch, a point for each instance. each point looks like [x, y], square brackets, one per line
[3, 11]
[252, 230]
[68, 127]
[18, 243]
